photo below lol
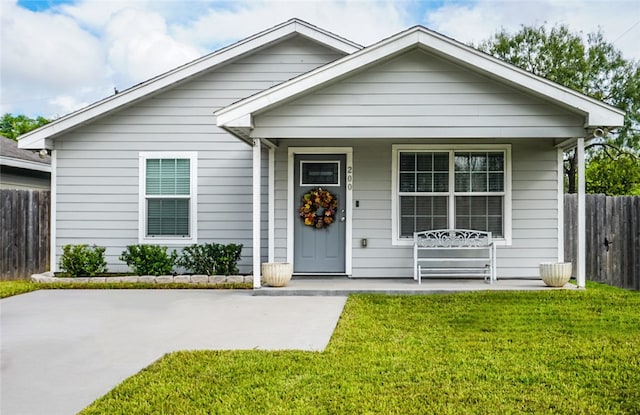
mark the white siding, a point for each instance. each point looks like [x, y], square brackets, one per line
[97, 171]
[417, 95]
[535, 235]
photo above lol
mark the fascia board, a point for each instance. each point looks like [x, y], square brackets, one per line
[25, 164]
[37, 139]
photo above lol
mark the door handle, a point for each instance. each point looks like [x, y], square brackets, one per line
[342, 218]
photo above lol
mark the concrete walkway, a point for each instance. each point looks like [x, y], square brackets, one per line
[62, 349]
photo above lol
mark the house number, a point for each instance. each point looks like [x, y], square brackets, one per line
[349, 177]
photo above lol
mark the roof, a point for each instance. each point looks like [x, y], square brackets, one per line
[41, 137]
[12, 156]
[237, 118]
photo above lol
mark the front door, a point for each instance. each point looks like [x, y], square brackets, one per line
[319, 249]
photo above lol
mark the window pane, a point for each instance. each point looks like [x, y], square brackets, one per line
[478, 182]
[496, 182]
[425, 182]
[440, 182]
[168, 177]
[407, 182]
[482, 213]
[462, 162]
[168, 217]
[441, 162]
[319, 173]
[496, 161]
[425, 162]
[463, 182]
[422, 213]
[407, 161]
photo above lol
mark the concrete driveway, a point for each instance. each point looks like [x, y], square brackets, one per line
[62, 349]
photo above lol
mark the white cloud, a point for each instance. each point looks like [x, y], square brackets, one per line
[139, 47]
[475, 22]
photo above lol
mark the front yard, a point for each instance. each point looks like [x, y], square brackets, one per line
[562, 352]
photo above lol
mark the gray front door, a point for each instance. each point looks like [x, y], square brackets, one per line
[319, 251]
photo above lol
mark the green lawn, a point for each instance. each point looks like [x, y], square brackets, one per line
[561, 352]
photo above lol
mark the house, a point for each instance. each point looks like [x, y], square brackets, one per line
[23, 169]
[415, 132]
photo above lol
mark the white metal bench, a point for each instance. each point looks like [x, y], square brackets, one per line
[454, 253]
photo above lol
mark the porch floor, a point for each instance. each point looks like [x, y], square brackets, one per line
[343, 286]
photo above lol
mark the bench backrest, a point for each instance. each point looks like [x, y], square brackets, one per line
[452, 238]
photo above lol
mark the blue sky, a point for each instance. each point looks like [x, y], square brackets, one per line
[58, 56]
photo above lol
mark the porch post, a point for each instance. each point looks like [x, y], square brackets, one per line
[257, 154]
[272, 206]
[582, 240]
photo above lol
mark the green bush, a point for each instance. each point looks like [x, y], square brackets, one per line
[149, 259]
[211, 259]
[83, 260]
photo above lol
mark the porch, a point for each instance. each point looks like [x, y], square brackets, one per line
[342, 286]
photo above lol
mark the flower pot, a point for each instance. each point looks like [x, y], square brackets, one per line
[555, 274]
[276, 274]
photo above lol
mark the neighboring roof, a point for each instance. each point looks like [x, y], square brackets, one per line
[237, 118]
[39, 138]
[12, 156]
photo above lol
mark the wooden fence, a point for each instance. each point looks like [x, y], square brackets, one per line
[24, 223]
[613, 238]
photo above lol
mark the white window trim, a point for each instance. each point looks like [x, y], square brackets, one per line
[396, 148]
[193, 205]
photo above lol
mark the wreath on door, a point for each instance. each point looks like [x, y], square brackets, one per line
[318, 208]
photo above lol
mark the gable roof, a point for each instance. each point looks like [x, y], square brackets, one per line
[237, 118]
[39, 138]
[12, 156]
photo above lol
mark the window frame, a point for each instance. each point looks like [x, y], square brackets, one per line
[142, 198]
[506, 239]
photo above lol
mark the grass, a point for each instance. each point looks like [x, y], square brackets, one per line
[10, 288]
[561, 352]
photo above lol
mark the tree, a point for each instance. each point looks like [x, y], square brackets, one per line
[14, 126]
[593, 67]
[613, 177]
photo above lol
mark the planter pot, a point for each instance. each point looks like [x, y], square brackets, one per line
[276, 274]
[555, 274]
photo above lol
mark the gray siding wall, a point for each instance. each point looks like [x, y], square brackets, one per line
[418, 95]
[534, 200]
[97, 165]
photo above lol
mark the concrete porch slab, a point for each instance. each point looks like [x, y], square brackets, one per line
[343, 286]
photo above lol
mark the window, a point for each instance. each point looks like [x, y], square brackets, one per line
[314, 173]
[168, 197]
[438, 188]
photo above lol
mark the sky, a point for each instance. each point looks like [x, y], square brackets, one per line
[58, 56]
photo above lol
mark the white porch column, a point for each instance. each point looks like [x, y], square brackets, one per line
[582, 239]
[272, 206]
[257, 154]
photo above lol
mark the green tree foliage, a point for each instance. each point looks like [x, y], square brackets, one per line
[13, 126]
[588, 65]
[613, 177]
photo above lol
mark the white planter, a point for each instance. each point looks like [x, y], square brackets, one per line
[555, 274]
[276, 274]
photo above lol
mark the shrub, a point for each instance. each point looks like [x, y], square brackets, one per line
[149, 259]
[83, 260]
[211, 259]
